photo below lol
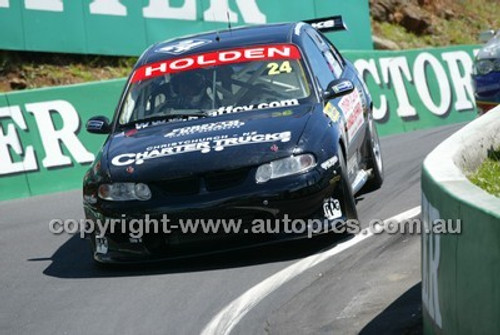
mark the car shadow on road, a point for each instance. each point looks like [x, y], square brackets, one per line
[403, 316]
[73, 259]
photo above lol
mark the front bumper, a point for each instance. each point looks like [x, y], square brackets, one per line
[296, 197]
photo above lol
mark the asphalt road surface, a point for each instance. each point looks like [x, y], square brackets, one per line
[49, 284]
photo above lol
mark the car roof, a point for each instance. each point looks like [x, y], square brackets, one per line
[225, 39]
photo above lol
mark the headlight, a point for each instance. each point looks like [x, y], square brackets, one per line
[124, 192]
[485, 66]
[285, 167]
[497, 65]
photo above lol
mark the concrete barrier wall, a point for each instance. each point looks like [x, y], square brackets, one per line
[461, 272]
[43, 147]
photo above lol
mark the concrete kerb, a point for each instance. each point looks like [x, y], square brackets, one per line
[460, 271]
[462, 153]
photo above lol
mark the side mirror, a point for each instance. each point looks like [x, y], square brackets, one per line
[98, 125]
[338, 88]
[485, 36]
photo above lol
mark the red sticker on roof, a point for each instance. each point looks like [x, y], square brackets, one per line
[230, 56]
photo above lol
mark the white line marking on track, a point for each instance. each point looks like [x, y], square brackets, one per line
[228, 318]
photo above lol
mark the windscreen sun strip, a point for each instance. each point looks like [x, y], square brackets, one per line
[222, 57]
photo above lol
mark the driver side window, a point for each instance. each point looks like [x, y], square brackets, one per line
[320, 68]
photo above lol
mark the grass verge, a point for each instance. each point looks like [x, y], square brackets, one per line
[487, 176]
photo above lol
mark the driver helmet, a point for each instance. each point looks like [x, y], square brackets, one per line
[189, 86]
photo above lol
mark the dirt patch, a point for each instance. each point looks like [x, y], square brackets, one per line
[432, 23]
[26, 70]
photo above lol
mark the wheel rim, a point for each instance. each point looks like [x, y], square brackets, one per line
[377, 155]
[376, 147]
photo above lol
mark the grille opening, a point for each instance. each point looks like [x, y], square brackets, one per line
[183, 186]
[216, 181]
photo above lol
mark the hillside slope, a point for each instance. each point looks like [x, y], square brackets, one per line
[424, 23]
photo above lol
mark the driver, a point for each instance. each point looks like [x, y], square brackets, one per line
[191, 89]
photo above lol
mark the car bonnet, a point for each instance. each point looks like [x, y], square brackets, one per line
[175, 149]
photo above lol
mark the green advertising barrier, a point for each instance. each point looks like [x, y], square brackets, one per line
[44, 147]
[53, 151]
[460, 271]
[418, 89]
[14, 142]
[127, 27]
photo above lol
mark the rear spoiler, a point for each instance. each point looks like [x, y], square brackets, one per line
[328, 24]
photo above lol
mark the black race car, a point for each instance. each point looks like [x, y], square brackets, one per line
[256, 124]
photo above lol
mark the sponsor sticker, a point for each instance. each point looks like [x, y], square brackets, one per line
[202, 145]
[328, 24]
[329, 163]
[183, 46]
[298, 27]
[331, 208]
[205, 128]
[95, 124]
[279, 68]
[101, 245]
[352, 164]
[323, 24]
[245, 108]
[288, 112]
[332, 112]
[147, 124]
[353, 111]
[220, 111]
[230, 56]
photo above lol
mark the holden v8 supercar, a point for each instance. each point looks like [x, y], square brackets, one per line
[256, 123]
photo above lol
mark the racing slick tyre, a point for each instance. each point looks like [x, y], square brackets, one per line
[347, 197]
[375, 162]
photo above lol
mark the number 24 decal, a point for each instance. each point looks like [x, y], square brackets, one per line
[275, 68]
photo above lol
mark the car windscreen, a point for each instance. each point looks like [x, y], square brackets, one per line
[216, 83]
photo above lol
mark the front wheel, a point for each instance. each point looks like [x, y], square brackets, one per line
[346, 188]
